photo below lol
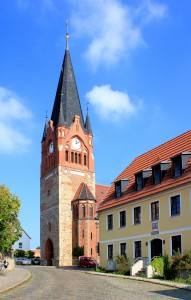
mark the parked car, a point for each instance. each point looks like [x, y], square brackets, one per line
[36, 261]
[88, 262]
[22, 261]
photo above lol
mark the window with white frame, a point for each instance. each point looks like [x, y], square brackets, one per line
[110, 252]
[122, 219]
[123, 249]
[155, 211]
[138, 250]
[137, 215]
[175, 205]
[176, 244]
[109, 222]
[20, 245]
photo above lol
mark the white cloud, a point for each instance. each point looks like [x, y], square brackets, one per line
[13, 112]
[114, 28]
[111, 104]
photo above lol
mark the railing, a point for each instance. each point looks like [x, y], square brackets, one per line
[138, 264]
[137, 259]
[149, 261]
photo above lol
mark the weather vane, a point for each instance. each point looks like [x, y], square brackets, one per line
[67, 35]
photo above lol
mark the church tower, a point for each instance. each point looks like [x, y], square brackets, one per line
[67, 185]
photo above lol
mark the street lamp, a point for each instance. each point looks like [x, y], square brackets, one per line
[97, 226]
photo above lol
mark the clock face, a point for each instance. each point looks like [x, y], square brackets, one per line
[76, 145]
[51, 147]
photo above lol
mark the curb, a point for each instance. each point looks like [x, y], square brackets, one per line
[17, 284]
[156, 281]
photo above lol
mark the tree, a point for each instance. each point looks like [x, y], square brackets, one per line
[30, 254]
[19, 253]
[10, 228]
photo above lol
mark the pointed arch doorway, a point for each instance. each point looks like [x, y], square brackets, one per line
[49, 252]
[156, 247]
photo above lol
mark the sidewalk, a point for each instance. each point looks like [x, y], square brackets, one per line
[13, 278]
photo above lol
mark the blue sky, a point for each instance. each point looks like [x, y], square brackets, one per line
[132, 63]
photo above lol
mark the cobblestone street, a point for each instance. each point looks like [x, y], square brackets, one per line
[63, 283]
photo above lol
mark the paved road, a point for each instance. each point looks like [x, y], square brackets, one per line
[68, 284]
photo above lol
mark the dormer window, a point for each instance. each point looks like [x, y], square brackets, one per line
[120, 187]
[177, 166]
[156, 174]
[159, 171]
[179, 163]
[141, 179]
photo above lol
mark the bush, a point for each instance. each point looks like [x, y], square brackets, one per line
[78, 251]
[123, 261]
[158, 265]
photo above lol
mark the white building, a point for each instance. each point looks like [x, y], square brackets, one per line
[24, 242]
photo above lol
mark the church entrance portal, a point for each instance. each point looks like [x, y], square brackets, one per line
[156, 248]
[49, 253]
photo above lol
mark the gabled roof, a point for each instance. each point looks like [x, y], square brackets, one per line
[83, 193]
[67, 102]
[26, 233]
[164, 152]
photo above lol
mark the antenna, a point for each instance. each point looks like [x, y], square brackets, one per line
[67, 35]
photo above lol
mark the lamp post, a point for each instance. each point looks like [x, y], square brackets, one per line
[97, 226]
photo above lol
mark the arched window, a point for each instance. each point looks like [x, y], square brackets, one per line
[83, 211]
[72, 156]
[76, 158]
[91, 212]
[75, 212]
[66, 155]
[79, 158]
[85, 160]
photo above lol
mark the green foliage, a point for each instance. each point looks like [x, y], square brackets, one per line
[123, 262]
[181, 263]
[38, 247]
[10, 229]
[78, 251]
[30, 254]
[173, 268]
[19, 253]
[158, 265]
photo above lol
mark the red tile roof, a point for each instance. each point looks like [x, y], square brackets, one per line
[164, 152]
[101, 191]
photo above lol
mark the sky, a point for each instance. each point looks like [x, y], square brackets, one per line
[132, 63]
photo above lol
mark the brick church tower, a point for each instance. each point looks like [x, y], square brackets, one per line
[67, 186]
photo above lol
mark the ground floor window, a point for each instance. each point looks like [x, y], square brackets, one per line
[110, 252]
[138, 251]
[123, 248]
[176, 244]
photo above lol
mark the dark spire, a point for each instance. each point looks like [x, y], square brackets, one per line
[61, 116]
[45, 128]
[67, 94]
[87, 123]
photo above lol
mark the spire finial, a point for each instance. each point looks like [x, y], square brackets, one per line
[67, 35]
[46, 114]
[87, 106]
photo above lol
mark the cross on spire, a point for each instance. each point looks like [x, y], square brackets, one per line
[67, 35]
